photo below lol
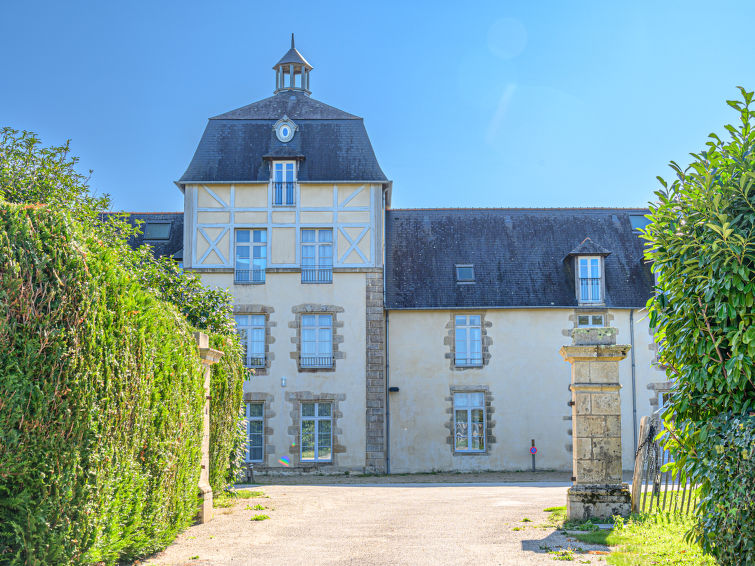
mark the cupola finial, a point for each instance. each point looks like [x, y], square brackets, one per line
[292, 71]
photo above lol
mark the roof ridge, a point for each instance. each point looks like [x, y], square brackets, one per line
[262, 107]
[129, 212]
[515, 209]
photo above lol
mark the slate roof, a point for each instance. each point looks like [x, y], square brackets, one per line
[518, 256]
[173, 246]
[332, 144]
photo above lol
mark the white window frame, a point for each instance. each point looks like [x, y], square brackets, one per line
[256, 274]
[591, 321]
[321, 269]
[255, 419]
[467, 326]
[287, 194]
[469, 408]
[591, 289]
[249, 326]
[317, 425]
[322, 346]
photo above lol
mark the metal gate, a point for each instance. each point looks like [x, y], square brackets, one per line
[653, 490]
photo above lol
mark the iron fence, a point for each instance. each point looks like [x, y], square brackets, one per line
[655, 490]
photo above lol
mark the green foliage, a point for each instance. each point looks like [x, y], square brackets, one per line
[31, 174]
[226, 413]
[726, 526]
[205, 308]
[100, 400]
[702, 245]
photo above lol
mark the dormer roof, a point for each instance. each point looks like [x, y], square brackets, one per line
[588, 247]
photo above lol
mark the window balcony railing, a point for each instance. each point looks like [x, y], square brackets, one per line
[283, 193]
[473, 360]
[255, 361]
[317, 275]
[316, 361]
[589, 289]
[249, 276]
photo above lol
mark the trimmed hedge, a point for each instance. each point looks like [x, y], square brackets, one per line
[227, 389]
[100, 401]
[726, 515]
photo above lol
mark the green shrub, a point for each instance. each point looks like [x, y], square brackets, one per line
[227, 428]
[701, 239]
[726, 518]
[100, 400]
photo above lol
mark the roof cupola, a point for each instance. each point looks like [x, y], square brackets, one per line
[292, 71]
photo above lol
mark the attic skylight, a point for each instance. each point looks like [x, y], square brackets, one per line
[157, 231]
[639, 222]
[465, 273]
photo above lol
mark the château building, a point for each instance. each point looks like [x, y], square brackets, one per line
[400, 340]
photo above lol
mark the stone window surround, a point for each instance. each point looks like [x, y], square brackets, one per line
[489, 422]
[312, 308]
[296, 398]
[450, 340]
[268, 414]
[269, 338]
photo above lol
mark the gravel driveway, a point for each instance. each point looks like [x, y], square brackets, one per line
[382, 524]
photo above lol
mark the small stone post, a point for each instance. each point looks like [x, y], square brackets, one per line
[598, 491]
[209, 357]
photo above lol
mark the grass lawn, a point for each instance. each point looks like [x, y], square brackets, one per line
[642, 540]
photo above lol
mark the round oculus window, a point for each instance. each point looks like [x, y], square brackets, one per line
[285, 131]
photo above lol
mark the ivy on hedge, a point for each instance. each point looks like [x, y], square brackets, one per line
[100, 400]
[726, 523]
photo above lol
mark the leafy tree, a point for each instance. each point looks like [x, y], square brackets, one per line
[33, 174]
[702, 245]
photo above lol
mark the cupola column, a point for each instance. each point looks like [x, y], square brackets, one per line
[292, 64]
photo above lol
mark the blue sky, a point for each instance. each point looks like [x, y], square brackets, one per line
[467, 104]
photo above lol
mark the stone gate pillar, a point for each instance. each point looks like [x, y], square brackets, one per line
[597, 491]
[209, 357]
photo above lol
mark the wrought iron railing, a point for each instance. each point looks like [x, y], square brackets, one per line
[316, 274]
[255, 361]
[589, 289]
[471, 360]
[283, 193]
[316, 361]
[252, 276]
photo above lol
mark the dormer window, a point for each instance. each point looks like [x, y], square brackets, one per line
[589, 259]
[284, 180]
[590, 279]
[465, 273]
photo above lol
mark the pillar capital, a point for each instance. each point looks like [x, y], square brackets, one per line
[595, 353]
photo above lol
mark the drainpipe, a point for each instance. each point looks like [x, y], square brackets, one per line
[387, 403]
[634, 382]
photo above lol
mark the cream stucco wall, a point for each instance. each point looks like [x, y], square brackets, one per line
[526, 376]
[281, 292]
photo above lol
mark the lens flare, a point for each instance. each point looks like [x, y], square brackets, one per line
[284, 461]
